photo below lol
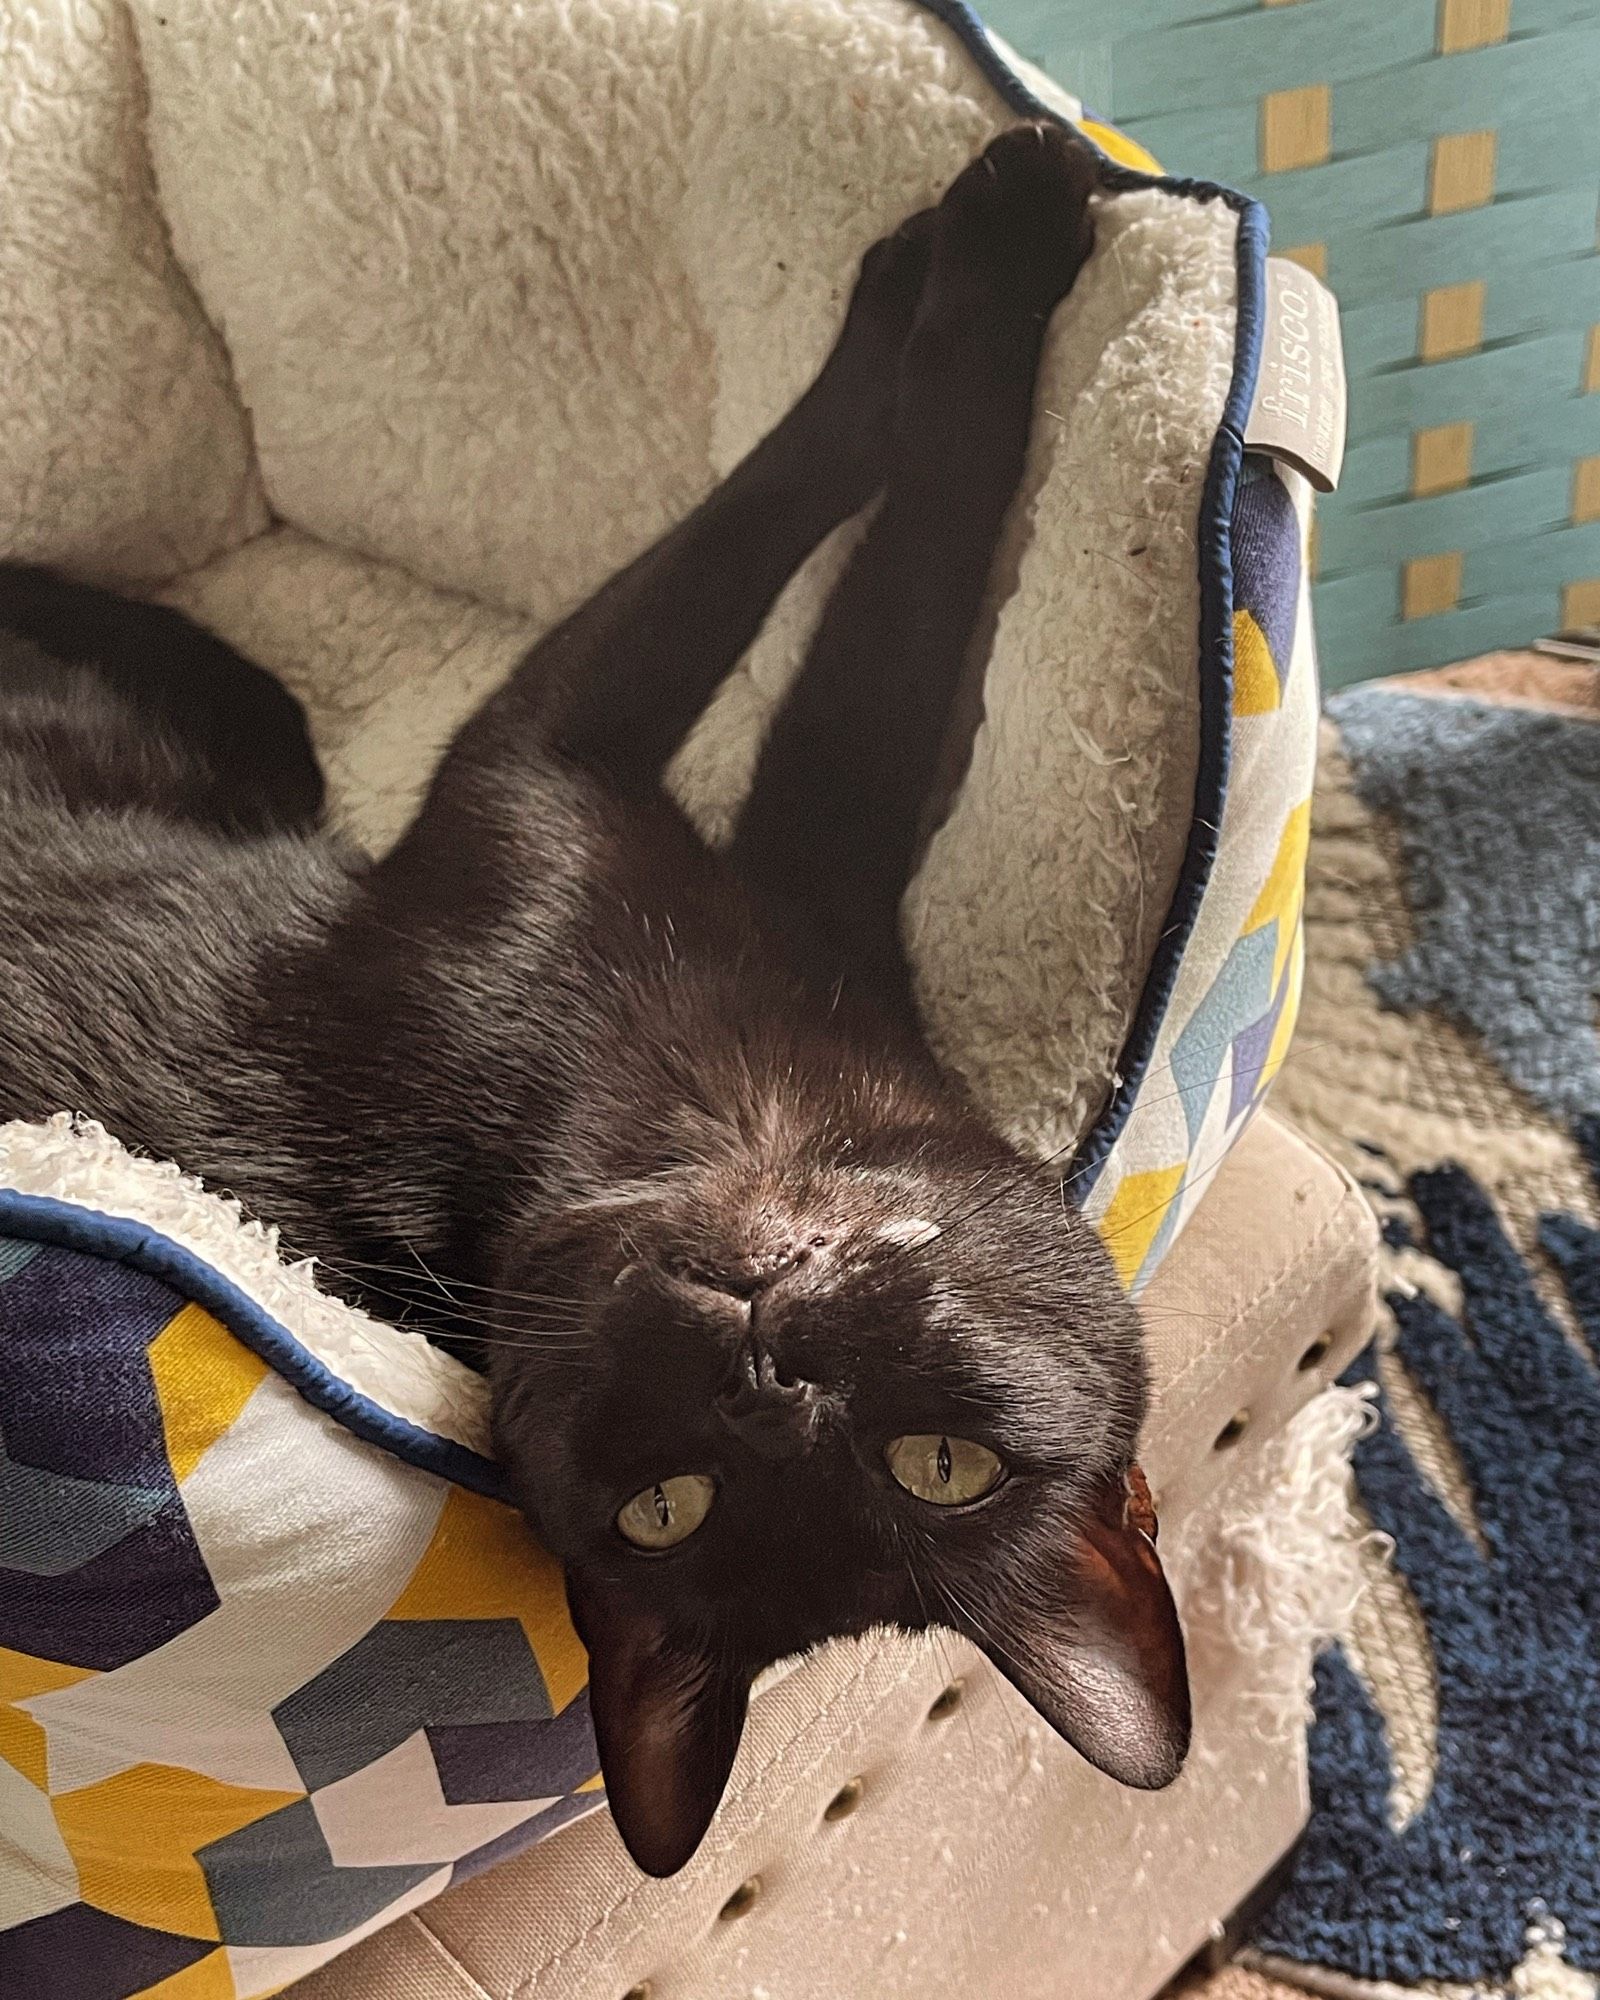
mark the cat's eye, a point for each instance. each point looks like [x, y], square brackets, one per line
[669, 1512]
[946, 1471]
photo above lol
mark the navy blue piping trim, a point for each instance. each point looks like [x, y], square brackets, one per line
[968, 24]
[1216, 594]
[1216, 690]
[41, 1219]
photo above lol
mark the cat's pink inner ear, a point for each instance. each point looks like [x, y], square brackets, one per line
[668, 1714]
[1139, 1507]
[1098, 1650]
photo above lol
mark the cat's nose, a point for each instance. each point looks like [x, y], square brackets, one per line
[775, 1414]
[745, 1274]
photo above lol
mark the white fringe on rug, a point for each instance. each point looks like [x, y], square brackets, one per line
[1271, 1569]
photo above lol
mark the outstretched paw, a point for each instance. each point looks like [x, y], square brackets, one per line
[882, 309]
[855, 394]
[1016, 222]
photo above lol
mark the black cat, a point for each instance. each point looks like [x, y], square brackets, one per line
[784, 1342]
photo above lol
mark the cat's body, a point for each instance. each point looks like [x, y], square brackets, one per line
[383, 1073]
[657, 1125]
[137, 943]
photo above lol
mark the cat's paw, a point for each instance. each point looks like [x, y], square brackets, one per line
[889, 287]
[882, 310]
[854, 397]
[1015, 225]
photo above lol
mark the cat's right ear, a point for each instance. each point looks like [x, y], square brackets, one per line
[668, 1713]
[1094, 1643]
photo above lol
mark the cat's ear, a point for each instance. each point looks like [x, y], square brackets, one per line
[1098, 1650]
[668, 1713]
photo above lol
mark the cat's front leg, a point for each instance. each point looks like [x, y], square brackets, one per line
[835, 819]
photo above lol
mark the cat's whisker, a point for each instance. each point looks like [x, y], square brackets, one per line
[445, 1305]
[934, 1627]
[897, 1529]
[493, 1340]
[975, 1625]
[1177, 1314]
[444, 1284]
[535, 1320]
[553, 1308]
[571, 1339]
[1192, 1181]
[454, 1321]
[423, 1265]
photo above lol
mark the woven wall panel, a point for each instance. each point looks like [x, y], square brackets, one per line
[1438, 162]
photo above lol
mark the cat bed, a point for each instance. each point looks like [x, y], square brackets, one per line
[376, 339]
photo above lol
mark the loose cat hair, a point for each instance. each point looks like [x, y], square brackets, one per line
[783, 1340]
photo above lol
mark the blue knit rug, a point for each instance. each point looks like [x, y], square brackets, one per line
[1457, 851]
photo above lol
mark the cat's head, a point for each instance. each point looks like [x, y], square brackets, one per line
[770, 1398]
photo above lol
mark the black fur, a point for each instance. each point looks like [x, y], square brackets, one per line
[651, 1127]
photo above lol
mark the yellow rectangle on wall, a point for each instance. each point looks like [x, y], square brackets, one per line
[1429, 585]
[1472, 24]
[1312, 257]
[1296, 128]
[1452, 321]
[1461, 172]
[1441, 459]
[1580, 603]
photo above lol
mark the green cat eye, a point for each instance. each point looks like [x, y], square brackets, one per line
[669, 1512]
[945, 1471]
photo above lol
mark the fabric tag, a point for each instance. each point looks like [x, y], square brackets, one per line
[1298, 411]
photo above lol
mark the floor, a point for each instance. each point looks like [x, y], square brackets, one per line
[1232, 1983]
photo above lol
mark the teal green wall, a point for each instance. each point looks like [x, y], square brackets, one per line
[1188, 78]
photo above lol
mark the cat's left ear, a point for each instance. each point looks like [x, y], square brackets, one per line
[668, 1714]
[1097, 1648]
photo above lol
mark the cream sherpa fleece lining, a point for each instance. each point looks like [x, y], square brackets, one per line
[476, 302]
[77, 1161]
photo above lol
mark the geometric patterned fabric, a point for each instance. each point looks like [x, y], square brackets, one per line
[1228, 1023]
[263, 1685]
